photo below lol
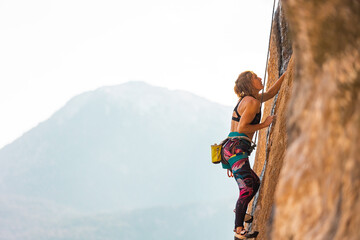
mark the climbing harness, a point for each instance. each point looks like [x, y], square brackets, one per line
[217, 150]
[248, 148]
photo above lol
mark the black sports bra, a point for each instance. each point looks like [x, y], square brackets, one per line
[256, 119]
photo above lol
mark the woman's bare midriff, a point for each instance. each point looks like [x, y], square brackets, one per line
[234, 126]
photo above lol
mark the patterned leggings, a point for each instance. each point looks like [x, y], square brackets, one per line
[248, 183]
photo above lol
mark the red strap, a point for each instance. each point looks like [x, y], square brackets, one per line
[229, 173]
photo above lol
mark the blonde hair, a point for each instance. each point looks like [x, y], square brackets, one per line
[243, 84]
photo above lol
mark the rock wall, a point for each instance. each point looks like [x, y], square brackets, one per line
[311, 184]
[273, 141]
[318, 193]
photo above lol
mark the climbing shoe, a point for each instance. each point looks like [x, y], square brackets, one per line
[245, 235]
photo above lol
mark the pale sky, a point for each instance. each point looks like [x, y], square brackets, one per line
[52, 50]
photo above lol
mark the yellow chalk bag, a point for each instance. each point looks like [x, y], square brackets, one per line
[216, 153]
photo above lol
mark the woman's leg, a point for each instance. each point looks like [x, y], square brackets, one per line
[248, 183]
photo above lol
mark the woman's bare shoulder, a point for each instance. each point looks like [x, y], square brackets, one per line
[251, 101]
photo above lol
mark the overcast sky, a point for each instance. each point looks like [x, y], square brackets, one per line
[52, 50]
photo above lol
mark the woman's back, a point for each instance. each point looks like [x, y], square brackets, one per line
[247, 111]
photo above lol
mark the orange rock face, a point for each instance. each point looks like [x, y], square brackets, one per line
[311, 184]
[317, 196]
[273, 141]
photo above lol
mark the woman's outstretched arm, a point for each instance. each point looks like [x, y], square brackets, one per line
[273, 90]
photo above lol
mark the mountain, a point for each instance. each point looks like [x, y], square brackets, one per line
[46, 221]
[121, 148]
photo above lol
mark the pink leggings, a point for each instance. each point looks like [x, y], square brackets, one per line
[248, 183]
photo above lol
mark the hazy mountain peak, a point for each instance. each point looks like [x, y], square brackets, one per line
[111, 139]
[142, 97]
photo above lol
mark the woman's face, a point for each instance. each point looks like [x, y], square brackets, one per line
[256, 82]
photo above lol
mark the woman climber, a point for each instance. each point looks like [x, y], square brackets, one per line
[236, 149]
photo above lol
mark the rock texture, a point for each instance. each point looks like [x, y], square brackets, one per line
[273, 141]
[317, 196]
[310, 186]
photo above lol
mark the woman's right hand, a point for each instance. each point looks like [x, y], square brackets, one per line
[269, 120]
